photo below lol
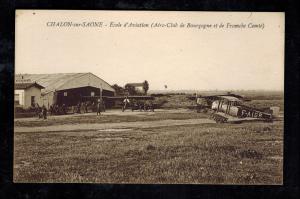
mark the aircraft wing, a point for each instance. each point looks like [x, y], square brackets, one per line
[220, 117]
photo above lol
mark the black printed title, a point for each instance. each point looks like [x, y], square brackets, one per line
[112, 24]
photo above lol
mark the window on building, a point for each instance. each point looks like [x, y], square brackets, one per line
[17, 99]
[32, 100]
[92, 94]
[65, 94]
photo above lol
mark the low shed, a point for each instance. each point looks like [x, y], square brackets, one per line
[27, 94]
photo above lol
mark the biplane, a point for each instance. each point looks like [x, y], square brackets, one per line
[229, 108]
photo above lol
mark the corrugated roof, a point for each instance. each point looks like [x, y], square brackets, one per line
[56, 81]
[27, 85]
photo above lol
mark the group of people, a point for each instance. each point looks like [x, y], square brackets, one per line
[41, 112]
[83, 107]
[58, 109]
[137, 105]
[80, 107]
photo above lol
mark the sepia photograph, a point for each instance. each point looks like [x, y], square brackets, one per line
[149, 97]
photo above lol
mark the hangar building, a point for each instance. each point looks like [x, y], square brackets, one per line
[68, 88]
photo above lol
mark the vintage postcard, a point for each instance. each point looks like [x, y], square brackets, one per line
[150, 97]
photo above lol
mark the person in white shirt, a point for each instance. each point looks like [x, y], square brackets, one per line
[125, 103]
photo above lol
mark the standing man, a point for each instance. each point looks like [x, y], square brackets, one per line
[151, 106]
[146, 105]
[63, 109]
[85, 107]
[125, 102]
[99, 107]
[44, 111]
[103, 105]
[78, 107]
[51, 110]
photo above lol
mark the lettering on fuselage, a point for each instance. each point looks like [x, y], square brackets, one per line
[253, 114]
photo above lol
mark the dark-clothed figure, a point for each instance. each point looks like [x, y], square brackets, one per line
[79, 107]
[44, 111]
[146, 105]
[99, 107]
[51, 110]
[151, 106]
[140, 105]
[38, 111]
[56, 109]
[85, 107]
[93, 106]
[63, 109]
[103, 106]
[82, 107]
[73, 109]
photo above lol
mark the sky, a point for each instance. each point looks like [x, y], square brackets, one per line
[181, 58]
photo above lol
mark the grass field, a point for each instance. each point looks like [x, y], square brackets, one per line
[108, 118]
[161, 147]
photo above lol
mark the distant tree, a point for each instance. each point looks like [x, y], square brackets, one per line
[119, 90]
[146, 87]
[130, 89]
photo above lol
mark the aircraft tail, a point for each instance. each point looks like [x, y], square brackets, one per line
[275, 110]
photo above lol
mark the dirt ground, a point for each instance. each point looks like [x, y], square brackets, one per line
[165, 146]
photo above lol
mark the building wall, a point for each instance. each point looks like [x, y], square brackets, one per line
[32, 91]
[21, 96]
